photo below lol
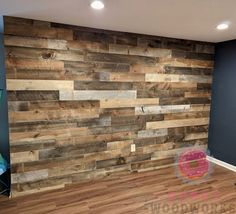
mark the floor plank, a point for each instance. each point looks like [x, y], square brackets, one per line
[159, 191]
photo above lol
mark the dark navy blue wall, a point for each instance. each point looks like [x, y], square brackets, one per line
[4, 132]
[222, 131]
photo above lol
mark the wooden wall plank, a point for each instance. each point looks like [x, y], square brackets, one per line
[97, 95]
[30, 53]
[119, 145]
[102, 85]
[152, 133]
[22, 157]
[88, 46]
[35, 42]
[42, 115]
[123, 77]
[31, 64]
[128, 102]
[150, 52]
[177, 78]
[29, 176]
[161, 109]
[147, 69]
[139, 51]
[38, 85]
[38, 31]
[196, 136]
[197, 94]
[177, 123]
[193, 63]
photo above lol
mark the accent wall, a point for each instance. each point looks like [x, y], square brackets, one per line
[80, 98]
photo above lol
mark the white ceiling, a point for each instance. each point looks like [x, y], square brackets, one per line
[187, 19]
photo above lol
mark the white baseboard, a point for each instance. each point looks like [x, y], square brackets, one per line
[222, 163]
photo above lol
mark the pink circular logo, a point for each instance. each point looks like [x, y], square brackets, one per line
[193, 165]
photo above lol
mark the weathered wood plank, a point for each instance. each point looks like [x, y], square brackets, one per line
[119, 136]
[157, 147]
[192, 55]
[126, 77]
[177, 123]
[97, 95]
[24, 146]
[162, 94]
[197, 94]
[122, 103]
[32, 95]
[47, 115]
[118, 49]
[38, 85]
[24, 137]
[38, 31]
[22, 157]
[139, 51]
[35, 42]
[10, 20]
[88, 46]
[67, 170]
[180, 62]
[54, 74]
[159, 155]
[150, 52]
[188, 70]
[147, 69]
[161, 109]
[29, 176]
[171, 86]
[31, 64]
[185, 115]
[118, 112]
[151, 164]
[132, 120]
[201, 48]
[152, 133]
[177, 78]
[51, 105]
[30, 53]
[97, 85]
[40, 115]
[119, 145]
[182, 101]
[196, 136]
[101, 57]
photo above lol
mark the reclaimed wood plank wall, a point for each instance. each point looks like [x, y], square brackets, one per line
[80, 97]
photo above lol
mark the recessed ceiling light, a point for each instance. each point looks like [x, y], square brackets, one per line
[222, 26]
[97, 5]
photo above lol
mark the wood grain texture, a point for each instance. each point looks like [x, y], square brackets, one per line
[128, 102]
[38, 85]
[140, 193]
[35, 43]
[177, 123]
[79, 97]
[97, 94]
[177, 78]
[32, 64]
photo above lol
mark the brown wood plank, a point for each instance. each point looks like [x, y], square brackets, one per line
[38, 32]
[38, 85]
[177, 123]
[128, 103]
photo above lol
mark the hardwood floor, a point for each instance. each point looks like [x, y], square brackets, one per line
[159, 191]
